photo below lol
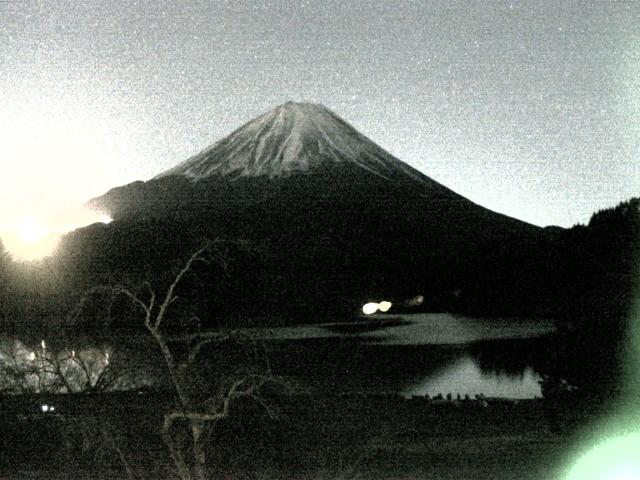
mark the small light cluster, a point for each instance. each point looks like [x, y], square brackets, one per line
[47, 408]
[373, 307]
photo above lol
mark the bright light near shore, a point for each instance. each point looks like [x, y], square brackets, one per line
[370, 308]
[384, 306]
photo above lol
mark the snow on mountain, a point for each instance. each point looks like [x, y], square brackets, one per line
[293, 137]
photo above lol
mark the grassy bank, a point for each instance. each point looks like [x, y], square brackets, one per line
[334, 437]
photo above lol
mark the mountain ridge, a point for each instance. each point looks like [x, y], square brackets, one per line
[292, 137]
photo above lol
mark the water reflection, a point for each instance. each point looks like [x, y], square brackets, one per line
[465, 377]
[500, 368]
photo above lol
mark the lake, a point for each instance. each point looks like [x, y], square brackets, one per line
[417, 355]
[380, 354]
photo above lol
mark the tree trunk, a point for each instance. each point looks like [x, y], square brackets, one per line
[184, 472]
[199, 450]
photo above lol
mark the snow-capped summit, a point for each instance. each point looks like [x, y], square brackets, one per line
[293, 137]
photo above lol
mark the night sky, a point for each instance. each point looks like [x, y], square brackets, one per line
[528, 108]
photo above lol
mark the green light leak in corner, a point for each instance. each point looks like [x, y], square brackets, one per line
[612, 450]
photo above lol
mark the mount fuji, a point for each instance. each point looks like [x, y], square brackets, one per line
[334, 218]
[294, 140]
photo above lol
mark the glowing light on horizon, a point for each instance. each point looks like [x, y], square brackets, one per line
[70, 227]
[384, 306]
[56, 154]
[370, 308]
[31, 238]
[31, 230]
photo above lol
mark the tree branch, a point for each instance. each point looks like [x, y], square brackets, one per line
[169, 297]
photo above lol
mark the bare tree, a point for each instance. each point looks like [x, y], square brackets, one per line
[196, 411]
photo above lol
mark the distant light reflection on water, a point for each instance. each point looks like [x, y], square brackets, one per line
[465, 377]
